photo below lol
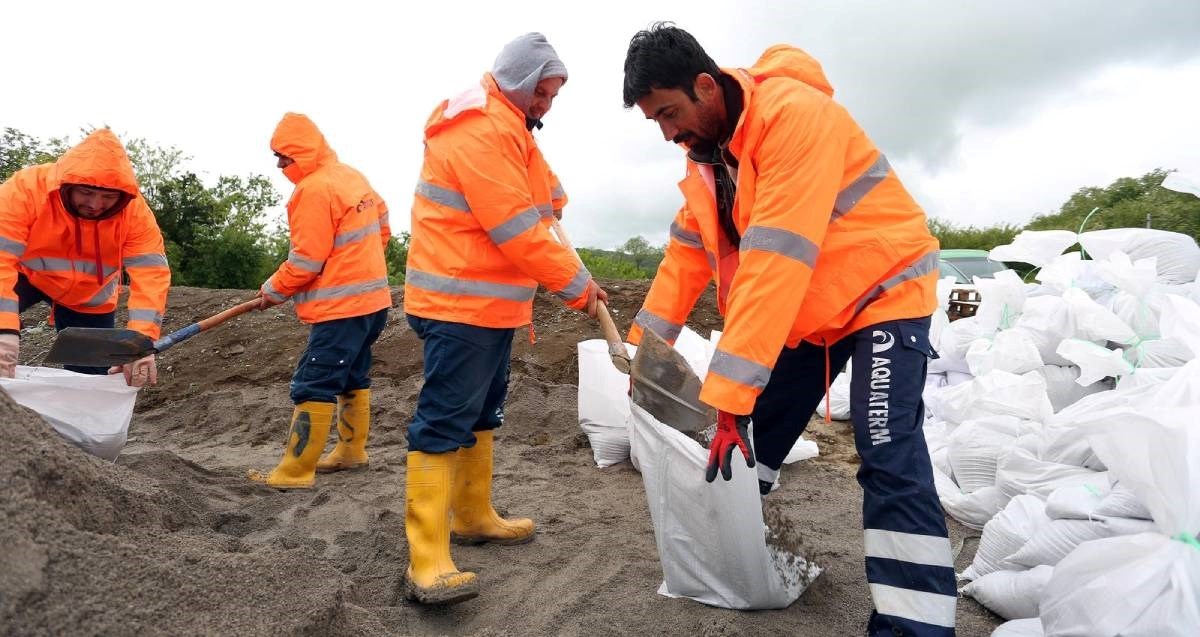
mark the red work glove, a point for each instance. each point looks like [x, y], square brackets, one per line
[731, 432]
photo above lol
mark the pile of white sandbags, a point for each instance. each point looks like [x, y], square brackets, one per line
[1064, 420]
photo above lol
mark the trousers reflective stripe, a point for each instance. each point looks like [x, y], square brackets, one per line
[929, 550]
[9, 305]
[467, 287]
[513, 227]
[443, 196]
[852, 194]
[926, 264]
[104, 295]
[685, 237]
[577, 285]
[304, 263]
[340, 291]
[150, 316]
[270, 292]
[357, 234]
[927, 608]
[15, 248]
[145, 261]
[54, 264]
[779, 241]
[657, 324]
[740, 370]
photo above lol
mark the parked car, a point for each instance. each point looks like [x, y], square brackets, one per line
[965, 264]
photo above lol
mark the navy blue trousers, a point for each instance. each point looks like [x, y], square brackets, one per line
[64, 317]
[466, 382]
[909, 566]
[338, 358]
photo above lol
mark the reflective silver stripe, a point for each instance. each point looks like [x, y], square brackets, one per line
[657, 324]
[917, 606]
[515, 226]
[686, 237]
[53, 264]
[9, 305]
[340, 291]
[305, 263]
[466, 287]
[383, 220]
[923, 266]
[850, 195]
[443, 196]
[104, 295]
[355, 235]
[577, 285]
[546, 209]
[557, 193]
[712, 260]
[779, 241]
[740, 370]
[270, 292]
[15, 248]
[150, 316]
[929, 550]
[146, 260]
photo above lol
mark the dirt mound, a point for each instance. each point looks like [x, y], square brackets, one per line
[173, 539]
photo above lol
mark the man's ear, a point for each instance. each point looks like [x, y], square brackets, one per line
[705, 87]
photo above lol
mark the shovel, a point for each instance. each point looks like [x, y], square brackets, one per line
[616, 347]
[665, 385]
[107, 347]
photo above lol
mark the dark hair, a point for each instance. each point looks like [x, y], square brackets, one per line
[664, 56]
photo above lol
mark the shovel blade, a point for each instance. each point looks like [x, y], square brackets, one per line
[665, 385]
[99, 347]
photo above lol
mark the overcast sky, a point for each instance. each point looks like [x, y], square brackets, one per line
[989, 111]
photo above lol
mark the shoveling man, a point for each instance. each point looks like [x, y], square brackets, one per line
[336, 275]
[67, 231]
[480, 247]
[819, 255]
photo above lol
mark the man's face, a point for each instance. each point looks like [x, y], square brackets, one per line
[283, 162]
[697, 124]
[91, 203]
[543, 96]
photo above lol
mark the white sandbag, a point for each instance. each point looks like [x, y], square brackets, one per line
[711, 538]
[1020, 628]
[804, 449]
[1095, 362]
[1180, 321]
[973, 510]
[957, 378]
[1158, 353]
[90, 411]
[1147, 376]
[1054, 541]
[996, 393]
[976, 445]
[1001, 300]
[1093, 321]
[1178, 257]
[1047, 321]
[1121, 503]
[1180, 182]
[1142, 315]
[1035, 247]
[1011, 350]
[1018, 472]
[1005, 534]
[1062, 387]
[1011, 594]
[838, 398]
[1136, 279]
[953, 342]
[603, 402]
[1077, 502]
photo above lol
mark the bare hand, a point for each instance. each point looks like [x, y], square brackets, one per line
[594, 294]
[265, 301]
[139, 373]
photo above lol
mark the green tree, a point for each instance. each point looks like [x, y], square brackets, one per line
[18, 150]
[952, 236]
[1128, 202]
[397, 257]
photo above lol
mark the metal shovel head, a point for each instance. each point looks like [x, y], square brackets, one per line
[665, 385]
[99, 346]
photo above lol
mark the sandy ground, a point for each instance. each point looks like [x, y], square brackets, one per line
[173, 540]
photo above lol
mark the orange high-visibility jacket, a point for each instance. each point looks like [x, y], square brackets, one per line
[481, 241]
[831, 242]
[339, 231]
[76, 261]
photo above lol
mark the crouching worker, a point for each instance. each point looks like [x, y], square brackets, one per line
[336, 275]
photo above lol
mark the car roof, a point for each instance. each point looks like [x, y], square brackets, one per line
[961, 253]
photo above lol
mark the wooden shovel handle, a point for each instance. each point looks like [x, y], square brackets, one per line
[221, 317]
[616, 347]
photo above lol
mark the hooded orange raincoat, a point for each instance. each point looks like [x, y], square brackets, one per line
[481, 241]
[77, 261]
[831, 242]
[339, 231]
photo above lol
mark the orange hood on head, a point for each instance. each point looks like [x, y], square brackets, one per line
[99, 160]
[299, 139]
[784, 60]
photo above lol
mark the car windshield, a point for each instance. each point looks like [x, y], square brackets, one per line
[979, 267]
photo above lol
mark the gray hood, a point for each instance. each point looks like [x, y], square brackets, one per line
[523, 63]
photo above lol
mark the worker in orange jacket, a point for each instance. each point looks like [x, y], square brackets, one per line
[480, 247]
[819, 255]
[336, 276]
[67, 231]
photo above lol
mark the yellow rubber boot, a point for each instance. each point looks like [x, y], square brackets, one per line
[432, 577]
[472, 518]
[354, 421]
[311, 421]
